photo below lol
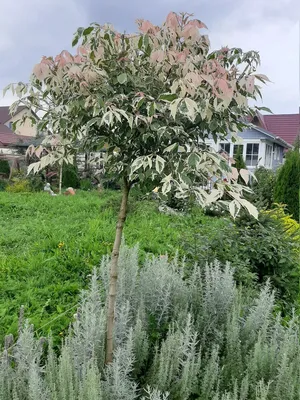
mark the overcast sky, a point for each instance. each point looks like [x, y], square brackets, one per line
[33, 28]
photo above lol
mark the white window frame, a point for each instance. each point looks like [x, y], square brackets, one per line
[251, 165]
[225, 144]
[269, 147]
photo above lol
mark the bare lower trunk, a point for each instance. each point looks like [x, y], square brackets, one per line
[60, 178]
[114, 275]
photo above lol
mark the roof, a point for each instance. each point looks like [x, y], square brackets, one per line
[5, 114]
[12, 139]
[286, 126]
[4, 129]
[275, 138]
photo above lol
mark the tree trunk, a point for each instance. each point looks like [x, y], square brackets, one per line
[114, 275]
[60, 178]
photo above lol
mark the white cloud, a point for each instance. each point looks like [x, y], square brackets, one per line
[273, 29]
[31, 29]
[34, 28]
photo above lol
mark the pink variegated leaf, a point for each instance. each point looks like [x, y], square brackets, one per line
[181, 57]
[197, 23]
[172, 21]
[226, 90]
[78, 59]
[38, 151]
[191, 32]
[67, 56]
[41, 71]
[250, 84]
[47, 60]
[157, 56]
[147, 27]
[82, 50]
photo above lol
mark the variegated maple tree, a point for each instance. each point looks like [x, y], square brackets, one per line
[152, 99]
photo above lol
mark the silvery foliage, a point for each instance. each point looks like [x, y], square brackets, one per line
[177, 337]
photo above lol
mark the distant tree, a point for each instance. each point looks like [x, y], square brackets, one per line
[4, 167]
[240, 164]
[287, 187]
[70, 176]
[152, 98]
[296, 143]
[263, 187]
[239, 159]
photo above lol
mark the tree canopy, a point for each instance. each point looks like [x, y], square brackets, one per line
[152, 98]
[287, 187]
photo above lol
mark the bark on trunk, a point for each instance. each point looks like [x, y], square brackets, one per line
[60, 178]
[114, 275]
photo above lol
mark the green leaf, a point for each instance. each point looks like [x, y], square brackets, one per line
[122, 78]
[213, 125]
[171, 148]
[186, 179]
[166, 187]
[174, 106]
[140, 43]
[88, 30]
[151, 109]
[146, 40]
[193, 160]
[140, 103]
[130, 121]
[264, 109]
[77, 36]
[137, 164]
[75, 40]
[262, 77]
[234, 208]
[167, 97]
[6, 89]
[107, 118]
[159, 164]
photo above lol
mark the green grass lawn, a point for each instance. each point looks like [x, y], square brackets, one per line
[49, 245]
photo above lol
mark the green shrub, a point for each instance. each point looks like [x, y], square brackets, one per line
[272, 255]
[3, 184]
[86, 184]
[70, 176]
[37, 182]
[263, 188]
[18, 185]
[4, 167]
[257, 250]
[287, 187]
[240, 163]
[176, 339]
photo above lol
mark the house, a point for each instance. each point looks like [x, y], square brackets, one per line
[13, 145]
[26, 129]
[260, 147]
[285, 126]
[14, 142]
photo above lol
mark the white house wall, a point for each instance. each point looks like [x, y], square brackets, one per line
[8, 151]
[251, 136]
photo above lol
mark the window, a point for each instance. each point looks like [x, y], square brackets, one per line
[10, 125]
[269, 150]
[236, 148]
[225, 147]
[252, 154]
[277, 153]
